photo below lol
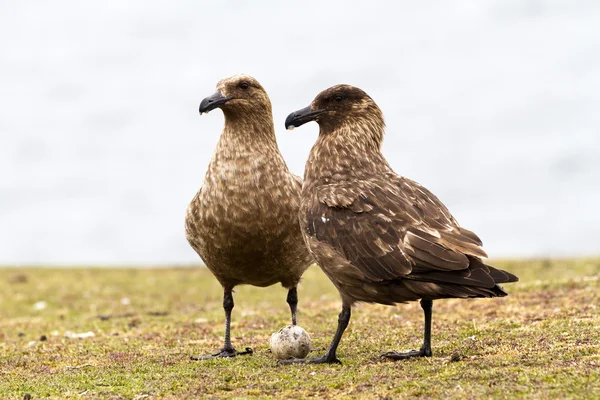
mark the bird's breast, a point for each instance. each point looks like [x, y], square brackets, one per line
[246, 197]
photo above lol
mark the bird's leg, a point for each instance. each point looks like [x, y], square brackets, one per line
[227, 350]
[228, 307]
[425, 350]
[292, 299]
[329, 357]
[427, 306]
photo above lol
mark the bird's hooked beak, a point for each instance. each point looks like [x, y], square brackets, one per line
[300, 117]
[212, 102]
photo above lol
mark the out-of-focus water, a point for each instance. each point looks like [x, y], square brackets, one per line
[493, 105]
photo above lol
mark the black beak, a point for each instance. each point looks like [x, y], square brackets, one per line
[212, 102]
[300, 117]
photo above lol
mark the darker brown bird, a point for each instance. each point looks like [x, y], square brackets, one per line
[243, 222]
[380, 237]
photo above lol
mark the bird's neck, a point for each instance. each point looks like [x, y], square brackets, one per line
[244, 133]
[348, 153]
[246, 147]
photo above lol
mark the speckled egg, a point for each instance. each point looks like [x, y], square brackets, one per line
[290, 341]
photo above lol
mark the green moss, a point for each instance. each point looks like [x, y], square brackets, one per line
[539, 342]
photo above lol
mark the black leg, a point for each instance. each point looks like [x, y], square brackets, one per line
[329, 357]
[427, 306]
[227, 350]
[228, 307]
[292, 299]
[425, 351]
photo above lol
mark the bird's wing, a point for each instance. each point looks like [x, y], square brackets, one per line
[389, 228]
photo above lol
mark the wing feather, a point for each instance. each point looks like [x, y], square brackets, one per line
[391, 228]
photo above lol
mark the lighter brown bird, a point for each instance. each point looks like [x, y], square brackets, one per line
[243, 222]
[380, 237]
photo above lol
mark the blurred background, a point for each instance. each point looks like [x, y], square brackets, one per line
[493, 105]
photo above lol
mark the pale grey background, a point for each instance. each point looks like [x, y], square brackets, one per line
[494, 105]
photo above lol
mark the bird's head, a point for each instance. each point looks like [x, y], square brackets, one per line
[237, 94]
[337, 107]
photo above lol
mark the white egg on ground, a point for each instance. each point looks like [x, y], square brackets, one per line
[290, 341]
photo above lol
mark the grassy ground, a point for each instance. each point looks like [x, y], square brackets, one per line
[542, 341]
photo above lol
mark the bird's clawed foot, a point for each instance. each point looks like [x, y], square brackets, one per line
[315, 360]
[224, 353]
[392, 355]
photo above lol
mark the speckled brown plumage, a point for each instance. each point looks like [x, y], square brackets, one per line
[243, 222]
[378, 236]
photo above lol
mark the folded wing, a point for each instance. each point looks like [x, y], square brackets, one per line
[392, 228]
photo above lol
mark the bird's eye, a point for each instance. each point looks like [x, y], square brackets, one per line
[338, 98]
[244, 85]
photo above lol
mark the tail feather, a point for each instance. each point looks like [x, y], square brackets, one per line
[478, 280]
[498, 275]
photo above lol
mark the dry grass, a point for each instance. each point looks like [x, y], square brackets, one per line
[540, 342]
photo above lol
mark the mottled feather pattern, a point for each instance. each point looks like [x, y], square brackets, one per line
[243, 221]
[381, 237]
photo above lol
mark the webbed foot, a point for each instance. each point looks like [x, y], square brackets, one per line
[224, 353]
